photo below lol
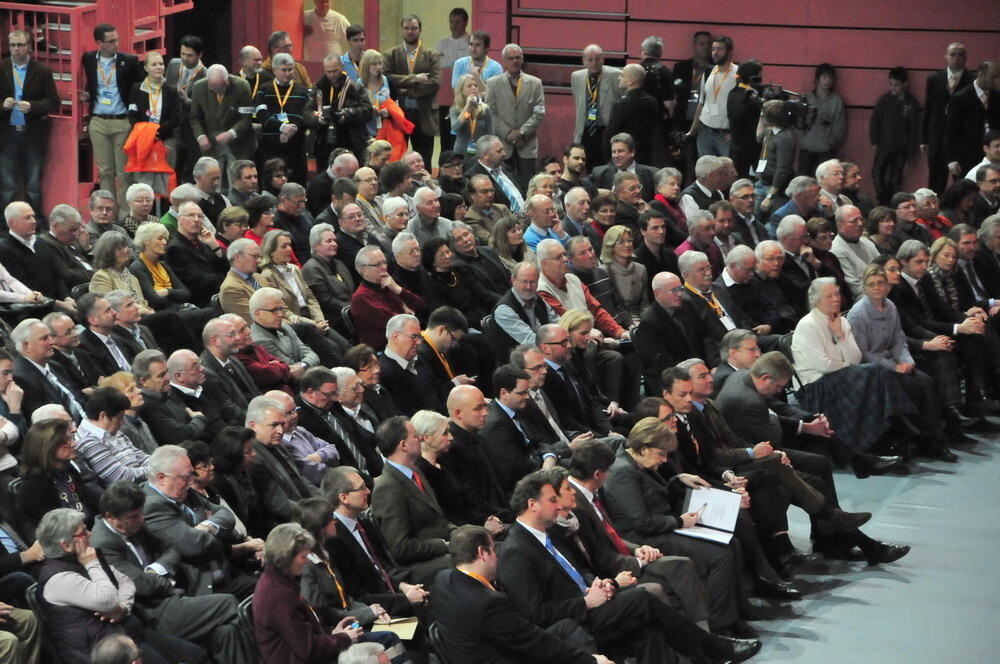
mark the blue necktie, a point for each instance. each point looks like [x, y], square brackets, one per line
[253, 282]
[8, 542]
[509, 189]
[565, 564]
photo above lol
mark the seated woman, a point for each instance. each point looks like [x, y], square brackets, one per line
[879, 335]
[396, 213]
[881, 229]
[87, 600]
[435, 439]
[545, 184]
[861, 401]
[272, 179]
[285, 625]
[321, 584]
[667, 200]
[160, 285]
[330, 280]
[304, 312]
[232, 455]
[628, 276]
[50, 478]
[507, 241]
[645, 505]
[453, 286]
[232, 223]
[133, 426]
[957, 201]
[603, 207]
[820, 240]
[140, 200]
[260, 218]
[942, 270]
[13, 426]
[454, 206]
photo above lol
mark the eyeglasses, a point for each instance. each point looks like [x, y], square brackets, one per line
[363, 487]
[537, 367]
[677, 290]
[411, 337]
[186, 477]
[18, 44]
[328, 395]
[564, 342]
[379, 264]
[275, 310]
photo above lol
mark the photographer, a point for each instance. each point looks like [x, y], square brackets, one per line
[827, 121]
[338, 111]
[743, 108]
[777, 156]
[470, 117]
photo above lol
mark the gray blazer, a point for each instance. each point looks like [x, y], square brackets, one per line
[285, 345]
[332, 285]
[608, 93]
[525, 112]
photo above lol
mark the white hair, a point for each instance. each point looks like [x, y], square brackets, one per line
[765, 245]
[393, 203]
[258, 406]
[398, 322]
[218, 71]
[823, 169]
[50, 411]
[203, 164]
[547, 247]
[789, 224]
[401, 240]
[164, 459]
[136, 189]
[687, 260]
[800, 184]
[261, 296]
[420, 194]
[282, 59]
[738, 254]
[510, 47]
[921, 195]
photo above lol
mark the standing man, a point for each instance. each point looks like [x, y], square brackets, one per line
[250, 69]
[27, 95]
[518, 106]
[356, 43]
[711, 119]
[110, 76]
[595, 90]
[338, 111]
[476, 62]
[941, 86]
[279, 108]
[182, 74]
[220, 116]
[624, 159]
[451, 49]
[637, 113]
[281, 42]
[416, 71]
[324, 32]
[972, 111]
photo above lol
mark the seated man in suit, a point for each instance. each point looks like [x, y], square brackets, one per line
[127, 545]
[407, 377]
[76, 363]
[198, 529]
[483, 213]
[71, 263]
[578, 408]
[548, 584]
[441, 354]
[313, 455]
[800, 266]
[317, 399]
[490, 156]
[623, 160]
[128, 331]
[224, 374]
[242, 279]
[717, 312]
[42, 381]
[370, 573]
[187, 383]
[670, 330]
[197, 258]
[737, 350]
[162, 409]
[272, 333]
[99, 317]
[735, 291]
[656, 250]
[701, 238]
[481, 261]
[627, 190]
[770, 261]
[510, 445]
[404, 505]
[22, 254]
[274, 470]
[987, 260]
[480, 624]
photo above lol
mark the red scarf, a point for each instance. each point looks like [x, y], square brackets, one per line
[679, 219]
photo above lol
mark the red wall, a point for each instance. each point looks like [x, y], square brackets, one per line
[862, 38]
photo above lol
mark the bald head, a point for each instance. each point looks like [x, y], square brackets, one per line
[467, 407]
[632, 76]
[593, 58]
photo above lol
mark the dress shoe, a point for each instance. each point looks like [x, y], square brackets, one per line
[956, 420]
[864, 465]
[831, 551]
[776, 589]
[941, 453]
[742, 630]
[841, 521]
[718, 649]
[886, 553]
[991, 406]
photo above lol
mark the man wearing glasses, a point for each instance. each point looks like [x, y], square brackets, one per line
[195, 255]
[378, 298]
[110, 76]
[102, 215]
[408, 379]
[27, 96]
[273, 334]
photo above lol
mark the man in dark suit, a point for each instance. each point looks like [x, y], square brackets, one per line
[480, 625]
[969, 112]
[405, 507]
[197, 529]
[653, 250]
[688, 75]
[577, 407]
[717, 312]
[128, 331]
[22, 253]
[370, 573]
[941, 87]
[188, 384]
[546, 586]
[167, 416]
[623, 159]
[225, 374]
[126, 544]
[76, 363]
[408, 379]
[735, 291]
[439, 354]
[987, 259]
[110, 355]
[638, 113]
[72, 265]
[197, 258]
[490, 157]
[42, 381]
[317, 401]
[27, 96]
[291, 216]
[320, 190]
[778, 312]
[110, 76]
[799, 267]
[988, 201]
[576, 221]
[416, 73]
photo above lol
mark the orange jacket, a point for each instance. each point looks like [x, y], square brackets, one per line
[395, 129]
[145, 153]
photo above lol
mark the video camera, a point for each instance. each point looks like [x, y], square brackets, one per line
[794, 106]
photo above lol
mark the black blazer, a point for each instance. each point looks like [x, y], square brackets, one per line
[579, 413]
[604, 557]
[67, 268]
[665, 262]
[198, 267]
[125, 338]
[358, 574]
[410, 392]
[964, 126]
[663, 340]
[238, 389]
[642, 503]
[794, 283]
[280, 485]
[39, 89]
[319, 192]
[128, 73]
[918, 322]
[177, 295]
[38, 391]
[312, 421]
[361, 437]
[498, 195]
[748, 412]
[23, 264]
[639, 114]
[603, 177]
[470, 462]
[513, 458]
[218, 410]
[483, 626]
[88, 373]
[168, 419]
[778, 312]
[988, 269]
[102, 355]
[936, 99]
[170, 109]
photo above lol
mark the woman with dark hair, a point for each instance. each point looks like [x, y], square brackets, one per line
[364, 361]
[260, 218]
[820, 240]
[507, 240]
[274, 177]
[454, 207]
[50, 478]
[827, 120]
[394, 180]
[232, 456]
[957, 201]
[321, 585]
[451, 285]
[881, 230]
[603, 206]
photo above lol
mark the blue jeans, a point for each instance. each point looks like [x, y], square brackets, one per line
[21, 162]
[712, 141]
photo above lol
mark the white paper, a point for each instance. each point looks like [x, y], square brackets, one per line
[699, 532]
[718, 510]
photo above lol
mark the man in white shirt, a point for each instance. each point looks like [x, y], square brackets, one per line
[451, 48]
[324, 31]
[830, 176]
[711, 119]
[991, 152]
[853, 251]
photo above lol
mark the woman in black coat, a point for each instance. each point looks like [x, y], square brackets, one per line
[454, 286]
[152, 101]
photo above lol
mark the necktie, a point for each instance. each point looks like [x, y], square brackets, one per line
[8, 543]
[119, 356]
[419, 482]
[613, 535]
[140, 553]
[517, 423]
[565, 564]
[919, 288]
[509, 190]
[371, 554]
[977, 286]
[76, 410]
[253, 282]
[281, 452]
[338, 429]
[572, 383]
[952, 81]
[137, 333]
[544, 407]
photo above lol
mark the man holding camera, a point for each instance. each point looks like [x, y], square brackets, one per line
[338, 111]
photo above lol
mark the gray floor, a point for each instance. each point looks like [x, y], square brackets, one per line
[938, 604]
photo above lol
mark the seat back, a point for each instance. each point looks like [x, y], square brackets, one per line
[348, 321]
[49, 651]
[438, 640]
[79, 290]
[497, 338]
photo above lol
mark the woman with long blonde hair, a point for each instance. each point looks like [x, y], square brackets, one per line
[470, 117]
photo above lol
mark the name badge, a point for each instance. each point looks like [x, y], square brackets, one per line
[761, 165]
[592, 113]
[282, 117]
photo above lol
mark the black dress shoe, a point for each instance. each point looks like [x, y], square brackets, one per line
[841, 521]
[776, 589]
[886, 553]
[864, 465]
[742, 630]
[849, 552]
[795, 557]
[956, 420]
[718, 649]
[941, 453]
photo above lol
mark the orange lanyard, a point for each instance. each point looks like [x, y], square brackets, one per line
[411, 59]
[256, 85]
[480, 578]
[716, 83]
[441, 358]
[154, 97]
[188, 76]
[592, 92]
[340, 588]
[277, 94]
[106, 79]
[711, 301]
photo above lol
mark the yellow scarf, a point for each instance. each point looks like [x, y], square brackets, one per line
[711, 301]
[161, 279]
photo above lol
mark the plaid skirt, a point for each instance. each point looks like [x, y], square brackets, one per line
[858, 401]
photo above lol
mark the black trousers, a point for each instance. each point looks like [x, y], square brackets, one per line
[595, 147]
[942, 366]
[938, 176]
[444, 126]
[419, 141]
[887, 173]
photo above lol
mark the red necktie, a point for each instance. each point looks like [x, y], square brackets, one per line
[374, 556]
[616, 539]
[419, 482]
